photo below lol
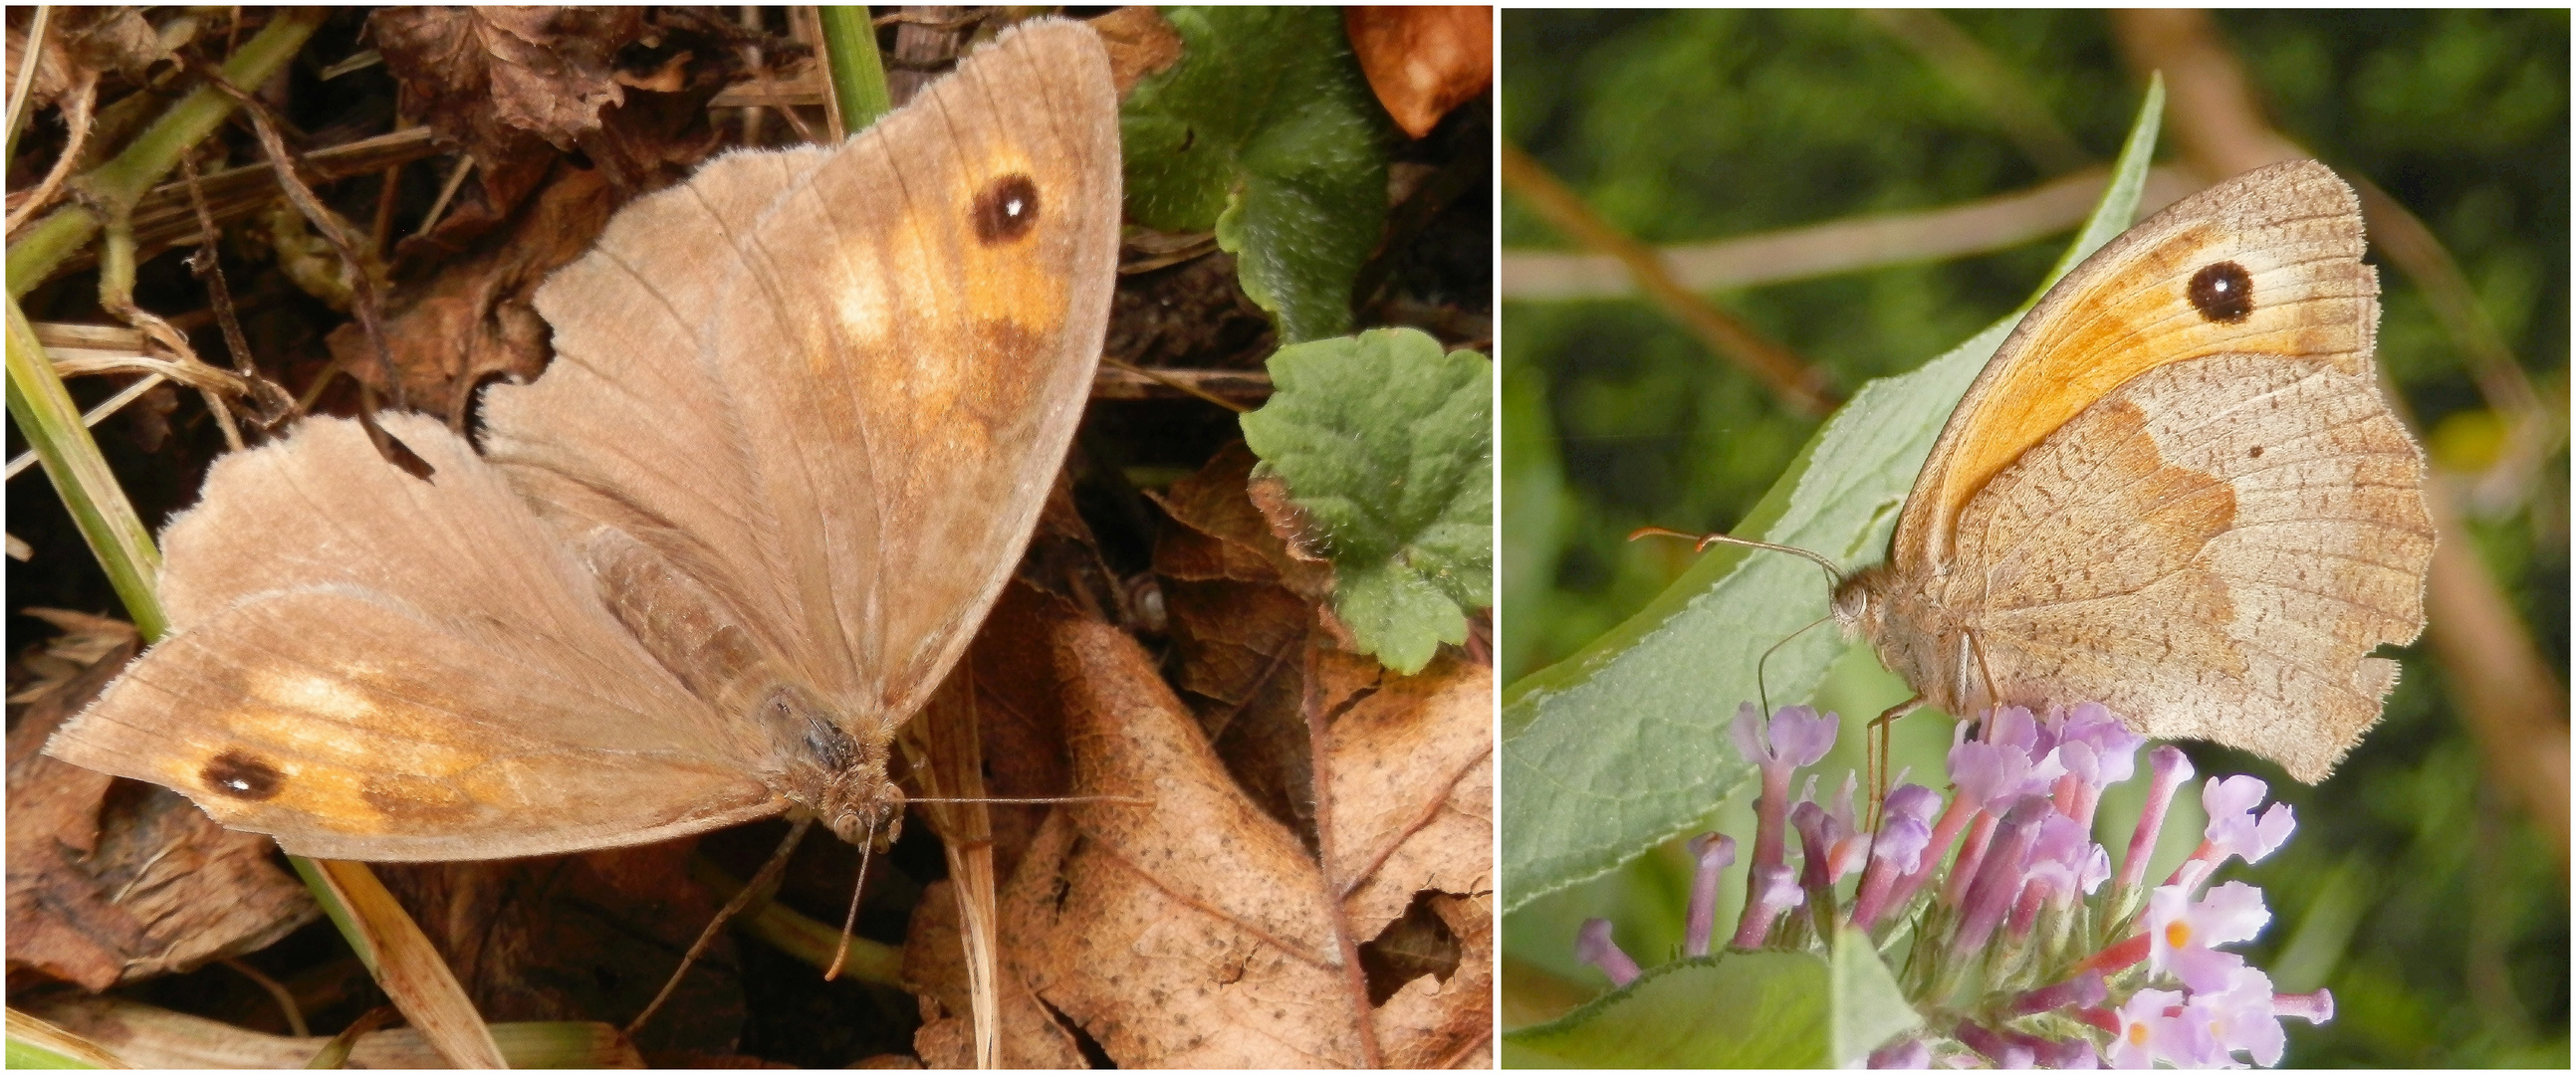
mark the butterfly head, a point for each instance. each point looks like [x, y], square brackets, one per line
[1859, 606]
[864, 812]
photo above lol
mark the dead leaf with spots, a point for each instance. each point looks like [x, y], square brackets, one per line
[1200, 932]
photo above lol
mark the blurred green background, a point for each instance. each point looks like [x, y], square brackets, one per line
[2415, 890]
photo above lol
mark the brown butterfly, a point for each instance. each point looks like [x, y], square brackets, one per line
[2175, 490]
[802, 415]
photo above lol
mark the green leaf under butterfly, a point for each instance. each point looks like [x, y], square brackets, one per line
[1733, 1010]
[1385, 443]
[1623, 745]
[1265, 133]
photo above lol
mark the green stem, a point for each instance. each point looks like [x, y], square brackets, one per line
[51, 422]
[144, 162]
[858, 77]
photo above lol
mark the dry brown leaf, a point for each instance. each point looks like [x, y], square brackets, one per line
[473, 320]
[489, 77]
[115, 39]
[1198, 931]
[1423, 61]
[1412, 769]
[1141, 45]
[1242, 631]
[112, 881]
[935, 968]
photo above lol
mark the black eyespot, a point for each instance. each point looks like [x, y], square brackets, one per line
[241, 776]
[2223, 292]
[1007, 209]
[2255, 452]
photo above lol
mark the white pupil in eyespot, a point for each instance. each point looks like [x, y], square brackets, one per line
[1012, 207]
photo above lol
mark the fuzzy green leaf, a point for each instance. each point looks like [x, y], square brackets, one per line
[1735, 1010]
[1386, 444]
[1267, 134]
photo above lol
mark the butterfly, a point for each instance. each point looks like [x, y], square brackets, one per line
[802, 415]
[2174, 490]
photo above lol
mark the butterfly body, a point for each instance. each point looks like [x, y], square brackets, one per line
[802, 414]
[2175, 490]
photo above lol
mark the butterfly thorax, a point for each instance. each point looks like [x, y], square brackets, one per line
[1916, 636]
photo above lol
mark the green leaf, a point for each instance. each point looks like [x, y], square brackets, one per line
[1623, 745]
[1735, 1010]
[1267, 134]
[1386, 444]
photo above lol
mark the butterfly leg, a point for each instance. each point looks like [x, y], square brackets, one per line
[761, 886]
[1880, 743]
[1977, 650]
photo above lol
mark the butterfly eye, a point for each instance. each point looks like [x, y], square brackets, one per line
[1007, 209]
[2223, 292]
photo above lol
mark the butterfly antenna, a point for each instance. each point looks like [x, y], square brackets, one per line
[1833, 574]
[760, 887]
[1129, 800]
[841, 953]
[1761, 685]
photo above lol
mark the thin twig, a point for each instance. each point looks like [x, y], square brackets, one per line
[1852, 244]
[446, 194]
[28, 59]
[361, 281]
[76, 116]
[285, 1000]
[1177, 385]
[207, 263]
[1800, 386]
[116, 296]
[95, 415]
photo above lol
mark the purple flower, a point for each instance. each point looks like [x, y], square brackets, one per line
[2182, 934]
[1798, 738]
[2239, 1015]
[2109, 750]
[1903, 834]
[2314, 1007]
[1712, 853]
[1989, 774]
[2065, 861]
[1907, 1053]
[1774, 890]
[1594, 946]
[2233, 828]
[2155, 1025]
[2069, 1054]
[2004, 1052]
[1999, 875]
[2169, 769]
[2082, 991]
